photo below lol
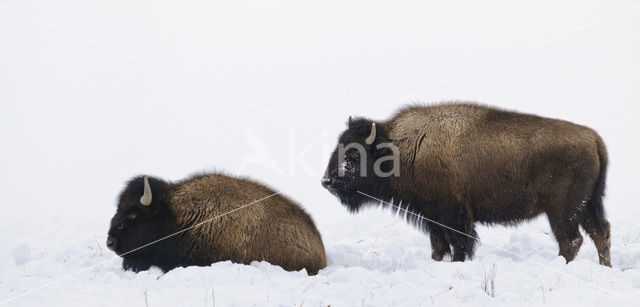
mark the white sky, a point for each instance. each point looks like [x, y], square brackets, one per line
[94, 93]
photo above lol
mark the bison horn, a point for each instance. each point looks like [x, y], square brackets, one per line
[372, 136]
[145, 200]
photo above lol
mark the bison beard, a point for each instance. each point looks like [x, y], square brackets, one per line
[462, 163]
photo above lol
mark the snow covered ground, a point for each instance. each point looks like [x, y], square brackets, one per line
[374, 260]
[93, 93]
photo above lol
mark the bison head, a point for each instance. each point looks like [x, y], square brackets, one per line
[142, 217]
[361, 163]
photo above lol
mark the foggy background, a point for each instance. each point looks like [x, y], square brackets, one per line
[92, 94]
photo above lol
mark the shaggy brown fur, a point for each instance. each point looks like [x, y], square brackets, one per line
[275, 229]
[463, 163]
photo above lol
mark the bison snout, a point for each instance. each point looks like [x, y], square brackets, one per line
[326, 182]
[329, 184]
[111, 243]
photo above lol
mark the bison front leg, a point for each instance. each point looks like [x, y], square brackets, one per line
[439, 244]
[461, 233]
[463, 244]
[135, 265]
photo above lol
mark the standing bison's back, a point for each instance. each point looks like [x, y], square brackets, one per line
[462, 163]
[209, 218]
[507, 165]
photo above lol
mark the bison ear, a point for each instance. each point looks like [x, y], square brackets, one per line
[349, 122]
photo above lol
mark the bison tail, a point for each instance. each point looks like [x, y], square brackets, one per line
[597, 196]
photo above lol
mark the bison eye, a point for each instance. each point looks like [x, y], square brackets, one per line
[132, 216]
[120, 226]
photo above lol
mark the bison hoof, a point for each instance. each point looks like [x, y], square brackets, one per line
[437, 256]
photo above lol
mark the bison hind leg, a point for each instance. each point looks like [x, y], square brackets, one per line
[600, 234]
[567, 233]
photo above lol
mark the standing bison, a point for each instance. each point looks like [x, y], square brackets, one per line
[461, 163]
[209, 218]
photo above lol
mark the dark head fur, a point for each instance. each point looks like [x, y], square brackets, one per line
[357, 152]
[135, 225]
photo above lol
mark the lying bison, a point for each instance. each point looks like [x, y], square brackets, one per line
[209, 218]
[460, 163]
